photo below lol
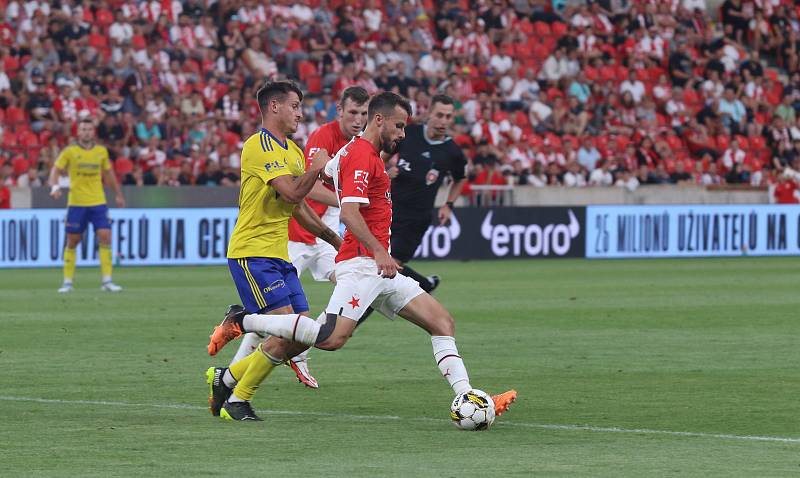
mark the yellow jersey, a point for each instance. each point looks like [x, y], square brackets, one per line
[262, 229]
[85, 168]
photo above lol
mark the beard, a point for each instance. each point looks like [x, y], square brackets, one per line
[387, 145]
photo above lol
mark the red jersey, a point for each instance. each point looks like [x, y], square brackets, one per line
[329, 137]
[784, 192]
[361, 177]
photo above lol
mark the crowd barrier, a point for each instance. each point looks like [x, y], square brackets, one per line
[199, 236]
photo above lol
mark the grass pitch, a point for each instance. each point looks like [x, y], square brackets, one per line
[624, 368]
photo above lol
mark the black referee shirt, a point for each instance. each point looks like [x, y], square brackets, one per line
[422, 166]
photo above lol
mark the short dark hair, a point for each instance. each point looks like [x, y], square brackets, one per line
[385, 103]
[442, 99]
[356, 94]
[276, 90]
[86, 120]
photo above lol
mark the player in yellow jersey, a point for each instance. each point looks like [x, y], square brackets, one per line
[87, 165]
[274, 184]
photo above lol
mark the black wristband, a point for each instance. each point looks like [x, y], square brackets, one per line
[450, 204]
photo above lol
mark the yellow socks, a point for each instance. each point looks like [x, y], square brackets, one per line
[259, 367]
[69, 264]
[105, 262]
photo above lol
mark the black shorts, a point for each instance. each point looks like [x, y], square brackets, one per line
[407, 231]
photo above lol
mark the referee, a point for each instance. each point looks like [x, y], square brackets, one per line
[426, 157]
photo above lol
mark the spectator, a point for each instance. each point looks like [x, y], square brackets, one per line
[601, 176]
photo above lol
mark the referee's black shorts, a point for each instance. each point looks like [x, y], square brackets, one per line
[408, 227]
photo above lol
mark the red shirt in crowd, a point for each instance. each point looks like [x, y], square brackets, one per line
[784, 192]
[5, 197]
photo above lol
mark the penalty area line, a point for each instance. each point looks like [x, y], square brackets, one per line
[505, 423]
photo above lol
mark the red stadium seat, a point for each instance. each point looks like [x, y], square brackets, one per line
[723, 142]
[314, 84]
[558, 29]
[306, 69]
[20, 165]
[15, 115]
[122, 166]
[542, 29]
[675, 143]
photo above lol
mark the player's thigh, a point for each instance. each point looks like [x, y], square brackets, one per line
[297, 296]
[357, 286]
[101, 222]
[430, 315]
[299, 256]
[322, 264]
[77, 220]
[261, 283]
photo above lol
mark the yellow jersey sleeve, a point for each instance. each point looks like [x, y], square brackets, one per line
[62, 162]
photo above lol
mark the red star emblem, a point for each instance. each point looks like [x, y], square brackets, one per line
[353, 302]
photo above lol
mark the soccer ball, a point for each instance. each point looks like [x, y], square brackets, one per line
[472, 410]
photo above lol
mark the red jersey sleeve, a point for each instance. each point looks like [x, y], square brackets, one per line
[355, 174]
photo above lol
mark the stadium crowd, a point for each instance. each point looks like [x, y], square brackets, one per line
[571, 93]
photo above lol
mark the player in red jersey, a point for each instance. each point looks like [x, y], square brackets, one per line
[305, 251]
[365, 272]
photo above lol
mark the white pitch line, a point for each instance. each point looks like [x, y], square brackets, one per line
[573, 428]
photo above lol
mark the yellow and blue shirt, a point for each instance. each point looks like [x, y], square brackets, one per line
[85, 168]
[262, 229]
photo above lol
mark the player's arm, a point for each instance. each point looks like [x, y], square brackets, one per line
[459, 179]
[352, 218]
[60, 168]
[323, 195]
[111, 180]
[306, 217]
[55, 189]
[293, 189]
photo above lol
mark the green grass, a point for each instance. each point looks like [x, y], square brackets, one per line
[113, 385]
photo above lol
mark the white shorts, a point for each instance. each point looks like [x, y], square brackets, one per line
[318, 258]
[359, 286]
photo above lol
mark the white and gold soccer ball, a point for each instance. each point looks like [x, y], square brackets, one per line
[472, 410]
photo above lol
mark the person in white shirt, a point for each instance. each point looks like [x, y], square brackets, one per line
[634, 86]
[733, 155]
[373, 16]
[588, 155]
[120, 31]
[555, 66]
[626, 180]
[574, 177]
[601, 176]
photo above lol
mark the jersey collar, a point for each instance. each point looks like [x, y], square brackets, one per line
[431, 141]
[272, 137]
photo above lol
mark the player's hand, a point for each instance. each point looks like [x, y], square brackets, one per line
[319, 159]
[120, 199]
[444, 214]
[387, 267]
[392, 172]
[55, 193]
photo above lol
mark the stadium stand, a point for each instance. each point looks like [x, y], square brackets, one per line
[654, 91]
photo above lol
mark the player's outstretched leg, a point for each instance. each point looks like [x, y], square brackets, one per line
[229, 329]
[503, 401]
[218, 391]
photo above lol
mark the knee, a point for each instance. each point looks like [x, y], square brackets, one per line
[444, 325]
[334, 342]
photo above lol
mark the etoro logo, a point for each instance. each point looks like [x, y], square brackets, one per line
[438, 240]
[531, 239]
